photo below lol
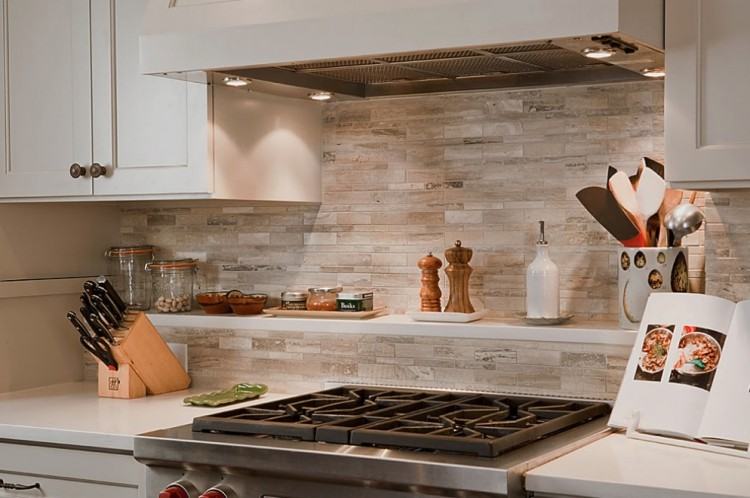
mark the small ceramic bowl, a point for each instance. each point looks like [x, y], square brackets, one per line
[246, 304]
[214, 303]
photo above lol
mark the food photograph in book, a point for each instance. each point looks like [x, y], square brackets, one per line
[653, 357]
[699, 353]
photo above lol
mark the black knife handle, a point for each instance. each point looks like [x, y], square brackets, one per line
[104, 282]
[104, 310]
[78, 325]
[102, 330]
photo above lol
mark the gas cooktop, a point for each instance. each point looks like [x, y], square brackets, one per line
[485, 425]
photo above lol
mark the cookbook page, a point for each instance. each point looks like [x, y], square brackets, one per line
[728, 410]
[673, 364]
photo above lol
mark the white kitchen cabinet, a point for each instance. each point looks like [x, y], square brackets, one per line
[706, 107]
[46, 88]
[74, 94]
[161, 125]
[70, 473]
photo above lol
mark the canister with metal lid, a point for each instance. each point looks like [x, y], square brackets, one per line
[294, 300]
[354, 301]
[127, 270]
[172, 284]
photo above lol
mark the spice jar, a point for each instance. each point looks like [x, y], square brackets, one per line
[322, 298]
[294, 300]
[172, 284]
[354, 301]
[127, 269]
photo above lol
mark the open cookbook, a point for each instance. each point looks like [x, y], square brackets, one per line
[689, 373]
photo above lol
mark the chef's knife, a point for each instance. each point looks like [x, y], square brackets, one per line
[104, 282]
[99, 328]
[108, 301]
[105, 312]
[82, 330]
[101, 351]
[88, 306]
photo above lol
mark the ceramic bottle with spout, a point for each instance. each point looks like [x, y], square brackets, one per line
[542, 282]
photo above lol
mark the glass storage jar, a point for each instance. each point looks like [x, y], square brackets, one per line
[172, 284]
[322, 298]
[294, 300]
[127, 270]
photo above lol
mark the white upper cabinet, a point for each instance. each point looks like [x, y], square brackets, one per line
[46, 104]
[74, 94]
[706, 108]
[161, 125]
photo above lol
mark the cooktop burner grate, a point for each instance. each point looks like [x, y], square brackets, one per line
[480, 424]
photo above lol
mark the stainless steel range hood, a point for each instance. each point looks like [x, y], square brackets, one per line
[400, 47]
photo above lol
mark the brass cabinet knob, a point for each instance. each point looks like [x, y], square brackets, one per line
[77, 171]
[98, 170]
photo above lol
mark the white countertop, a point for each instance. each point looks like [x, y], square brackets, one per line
[73, 414]
[577, 331]
[618, 467]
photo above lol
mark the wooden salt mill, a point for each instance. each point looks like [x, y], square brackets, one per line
[430, 293]
[459, 271]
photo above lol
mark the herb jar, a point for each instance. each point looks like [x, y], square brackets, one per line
[172, 284]
[354, 301]
[127, 269]
[294, 300]
[322, 298]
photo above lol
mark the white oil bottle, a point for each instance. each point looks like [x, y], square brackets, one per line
[542, 282]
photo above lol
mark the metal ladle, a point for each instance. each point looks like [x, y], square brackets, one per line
[683, 220]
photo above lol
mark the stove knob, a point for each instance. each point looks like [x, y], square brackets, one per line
[174, 492]
[221, 491]
[213, 493]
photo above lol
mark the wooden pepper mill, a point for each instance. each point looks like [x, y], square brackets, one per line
[430, 293]
[459, 271]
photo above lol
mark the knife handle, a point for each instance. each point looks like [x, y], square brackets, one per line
[104, 282]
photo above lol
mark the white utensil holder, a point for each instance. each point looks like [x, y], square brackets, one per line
[643, 270]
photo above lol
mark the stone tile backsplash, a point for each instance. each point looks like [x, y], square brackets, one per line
[410, 175]
[406, 176]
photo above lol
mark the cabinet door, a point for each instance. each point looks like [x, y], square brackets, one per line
[162, 131]
[706, 108]
[63, 488]
[46, 104]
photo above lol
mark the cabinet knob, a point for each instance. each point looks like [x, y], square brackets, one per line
[77, 171]
[98, 170]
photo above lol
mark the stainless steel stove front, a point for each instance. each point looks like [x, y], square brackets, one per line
[256, 467]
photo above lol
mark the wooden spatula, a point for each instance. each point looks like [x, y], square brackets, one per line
[650, 195]
[605, 209]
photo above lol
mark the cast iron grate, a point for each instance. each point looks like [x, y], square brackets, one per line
[484, 425]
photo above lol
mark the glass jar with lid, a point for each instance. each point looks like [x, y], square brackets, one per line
[172, 283]
[294, 300]
[127, 270]
[322, 298]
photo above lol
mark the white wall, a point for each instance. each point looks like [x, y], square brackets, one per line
[39, 245]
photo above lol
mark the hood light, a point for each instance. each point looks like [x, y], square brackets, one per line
[235, 81]
[598, 53]
[320, 96]
[656, 72]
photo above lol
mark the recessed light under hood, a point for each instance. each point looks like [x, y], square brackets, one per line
[374, 52]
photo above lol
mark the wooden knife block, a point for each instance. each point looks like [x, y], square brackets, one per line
[146, 364]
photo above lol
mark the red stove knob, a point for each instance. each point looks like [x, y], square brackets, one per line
[214, 493]
[174, 492]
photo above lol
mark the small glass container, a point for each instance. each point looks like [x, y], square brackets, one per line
[172, 284]
[322, 298]
[354, 301]
[127, 268]
[294, 300]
